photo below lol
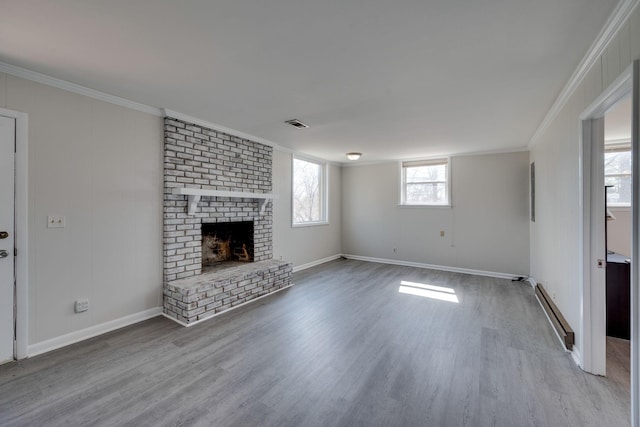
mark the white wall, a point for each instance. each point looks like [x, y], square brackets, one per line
[302, 245]
[485, 229]
[555, 249]
[619, 231]
[100, 165]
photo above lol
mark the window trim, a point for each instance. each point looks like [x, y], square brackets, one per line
[324, 191]
[402, 202]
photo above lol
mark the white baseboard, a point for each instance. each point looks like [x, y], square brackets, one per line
[226, 311]
[90, 332]
[532, 281]
[577, 357]
[317, 262]
[434, 267]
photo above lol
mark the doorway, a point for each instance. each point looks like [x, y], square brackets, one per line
[617, 218]
[17, 288]
[7, 233]
[593, 244]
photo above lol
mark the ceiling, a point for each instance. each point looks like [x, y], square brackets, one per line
[392, 79]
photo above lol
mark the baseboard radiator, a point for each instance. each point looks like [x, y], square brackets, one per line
[557, 319]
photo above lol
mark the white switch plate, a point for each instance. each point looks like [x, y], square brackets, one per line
[56, 221]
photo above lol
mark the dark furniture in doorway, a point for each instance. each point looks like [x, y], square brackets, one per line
[618, 296]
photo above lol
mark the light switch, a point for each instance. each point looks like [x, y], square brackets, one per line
[56, 221]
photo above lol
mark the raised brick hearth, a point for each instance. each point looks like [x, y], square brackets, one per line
[199, 297]
[198, 157]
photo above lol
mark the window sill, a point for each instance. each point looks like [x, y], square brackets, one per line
[400, 205]
[309, 224]
[620, 208]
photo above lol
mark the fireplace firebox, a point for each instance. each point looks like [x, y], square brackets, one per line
[226, 242]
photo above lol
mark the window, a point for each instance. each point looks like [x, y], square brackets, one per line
[617, 173]
[425, 182]
[309, 192]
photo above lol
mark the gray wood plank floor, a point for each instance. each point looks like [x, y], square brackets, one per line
[619, 362]
[341, 348]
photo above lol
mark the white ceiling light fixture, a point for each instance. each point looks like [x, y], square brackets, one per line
[353, 156]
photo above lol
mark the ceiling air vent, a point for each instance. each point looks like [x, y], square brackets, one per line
[296, 123]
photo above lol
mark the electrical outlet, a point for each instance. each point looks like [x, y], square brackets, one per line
[81, 305]
[56, 221]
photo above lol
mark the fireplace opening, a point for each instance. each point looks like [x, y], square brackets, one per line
[226, 243]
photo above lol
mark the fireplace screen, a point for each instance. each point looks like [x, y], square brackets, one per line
[227, 242]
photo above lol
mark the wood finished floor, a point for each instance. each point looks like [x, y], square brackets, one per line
[619, 362]
[341, 348]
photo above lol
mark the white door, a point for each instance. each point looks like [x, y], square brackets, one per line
[7, 264]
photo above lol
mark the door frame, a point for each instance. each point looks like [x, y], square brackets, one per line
[592, 333]
[21, 232]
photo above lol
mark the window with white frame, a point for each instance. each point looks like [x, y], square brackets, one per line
[309, 204]
[617, 174]
[426, 182]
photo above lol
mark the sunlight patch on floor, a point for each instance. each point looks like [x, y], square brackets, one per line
[428, 291]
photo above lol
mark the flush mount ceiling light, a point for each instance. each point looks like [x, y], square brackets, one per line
[353, 156]
[296, 123]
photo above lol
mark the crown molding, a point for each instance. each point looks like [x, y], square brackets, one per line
[204, 123]
[233, 132]
[306, 156]
[616, 20]
[137, 106]
[356, 163]
[101, 96]
[450, 156]
[489, 152]
[78, 89]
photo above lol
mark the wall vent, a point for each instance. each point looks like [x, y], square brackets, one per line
[296, 123]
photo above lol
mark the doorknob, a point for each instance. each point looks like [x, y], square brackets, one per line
[4, 254]
[3, 234]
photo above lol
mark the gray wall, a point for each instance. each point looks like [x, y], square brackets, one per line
[303, 245]
[100, 165]
[555, 249]
[485, 229]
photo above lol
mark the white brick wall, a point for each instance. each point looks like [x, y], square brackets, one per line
[198, 157]
[204, 158]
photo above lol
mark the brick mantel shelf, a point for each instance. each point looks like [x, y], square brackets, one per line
[194, 195]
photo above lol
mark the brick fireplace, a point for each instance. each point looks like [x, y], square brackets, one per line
[200, 158]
